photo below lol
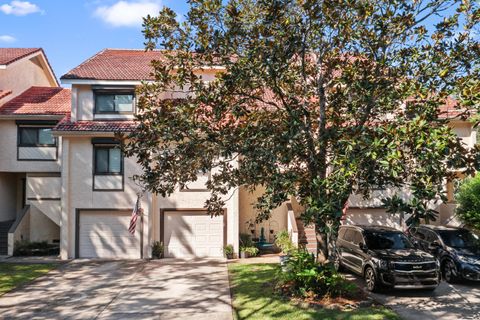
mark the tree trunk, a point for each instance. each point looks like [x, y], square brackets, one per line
[322, 247]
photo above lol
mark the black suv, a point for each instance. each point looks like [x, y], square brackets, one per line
[457, 249]
[386, 258]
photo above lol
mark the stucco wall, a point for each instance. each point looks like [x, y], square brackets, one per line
[41, 227]
[8, 194]
[465, 133]
[78, 193]
[22, 74]
[372, 217]
[277, 222]
[8, 154]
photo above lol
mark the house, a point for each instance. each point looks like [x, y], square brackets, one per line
[31, 104]
[91, 193]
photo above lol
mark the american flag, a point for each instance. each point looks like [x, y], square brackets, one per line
[137, 210]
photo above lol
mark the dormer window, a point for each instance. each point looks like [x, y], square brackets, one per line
[114, 101]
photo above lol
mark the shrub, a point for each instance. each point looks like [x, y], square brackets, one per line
[468, 199]
[304, 277]
[250, 251]
[157, 250]
[41, 248]
[228, 251]
[246, 240]
[282, 240]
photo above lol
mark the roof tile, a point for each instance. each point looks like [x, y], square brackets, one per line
[9, 55]
[39, 101]
[117, 64]
[95, 126]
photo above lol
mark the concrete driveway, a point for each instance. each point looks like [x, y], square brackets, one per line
[458, 301]
[161, 289]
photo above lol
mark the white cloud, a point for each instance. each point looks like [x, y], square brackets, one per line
[127, 13]
[19, 8]
[7, 38]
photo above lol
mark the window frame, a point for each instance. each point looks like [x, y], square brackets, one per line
[107, 147]
[121, 91]
[37, 144]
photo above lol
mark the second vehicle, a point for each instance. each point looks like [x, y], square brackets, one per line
[385, 257]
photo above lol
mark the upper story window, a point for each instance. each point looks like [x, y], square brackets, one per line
[35, 141]
[36, 137]
[114, 101]
[108, 160]
[108, 165]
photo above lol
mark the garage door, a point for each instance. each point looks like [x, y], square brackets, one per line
[193, 234]
[104, 234]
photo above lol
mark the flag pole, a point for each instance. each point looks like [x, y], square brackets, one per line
[141, 225]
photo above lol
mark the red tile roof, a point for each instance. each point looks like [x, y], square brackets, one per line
[95, 126]
[39, 101]
[9, 55]
[116, 64]
[4, 93]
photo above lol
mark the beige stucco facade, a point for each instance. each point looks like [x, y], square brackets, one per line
[78, 195]
[20, 75]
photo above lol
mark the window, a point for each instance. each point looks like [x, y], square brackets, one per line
[349, 235]
[108, 160]
[36, 137]
[387, 240]
[430, 236]
[114, 102]
[357, 238]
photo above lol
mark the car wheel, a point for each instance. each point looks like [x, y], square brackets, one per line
[449, 271]
[371, 280]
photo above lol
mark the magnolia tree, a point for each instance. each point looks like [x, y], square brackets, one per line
[314, 100]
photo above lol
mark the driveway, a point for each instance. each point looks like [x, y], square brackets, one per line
[161, 289]
[458, 301]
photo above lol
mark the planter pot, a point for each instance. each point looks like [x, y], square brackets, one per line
[229, 256]
[244, 255]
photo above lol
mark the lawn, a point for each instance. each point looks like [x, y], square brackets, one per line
[13, 274]
[254, 298]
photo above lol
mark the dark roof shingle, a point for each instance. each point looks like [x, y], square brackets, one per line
[39, 101]
[95, 126]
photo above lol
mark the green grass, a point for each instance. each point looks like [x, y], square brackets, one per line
[254, 298]
[13, 274]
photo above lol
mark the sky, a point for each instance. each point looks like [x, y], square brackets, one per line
[71, 31]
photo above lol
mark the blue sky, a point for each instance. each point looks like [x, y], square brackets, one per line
[71, 31]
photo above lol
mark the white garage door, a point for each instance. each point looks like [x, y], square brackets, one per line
[193, 234]
[104, 234]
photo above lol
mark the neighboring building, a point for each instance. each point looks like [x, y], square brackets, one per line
[31, 104]
[79, 185]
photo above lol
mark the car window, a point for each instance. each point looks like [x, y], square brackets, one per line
[459, 238]
[357, 238]
[349, 235]
[387, 240]
[420, 234]
[430, 236]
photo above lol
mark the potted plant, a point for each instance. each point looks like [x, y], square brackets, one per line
[157, 250]
[228, 251]
[247, 252]
[282, 240]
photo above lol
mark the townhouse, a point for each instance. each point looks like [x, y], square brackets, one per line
[31, 104]
[61, 142]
